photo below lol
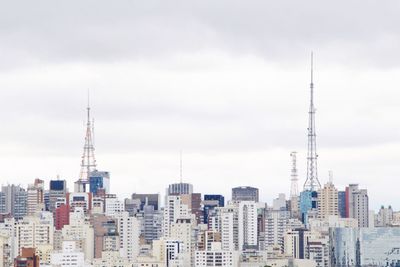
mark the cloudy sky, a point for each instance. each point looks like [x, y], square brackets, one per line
[225, 81]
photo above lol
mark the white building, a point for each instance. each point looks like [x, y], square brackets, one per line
[113, 206]
[276, 225]
[129, 232]
[247, 221]
[68, 256]
[81, 232]
[173, 210]
[34, 232]
[225, 221]
[216, 257]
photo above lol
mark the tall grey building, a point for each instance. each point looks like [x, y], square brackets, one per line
[358, 207]
[245, 193]
[58, 189]
[151, 223]
[13, 200]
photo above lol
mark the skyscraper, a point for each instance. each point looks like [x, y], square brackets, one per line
[357, 204]
[327, 201]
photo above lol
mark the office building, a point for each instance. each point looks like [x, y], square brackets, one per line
[180, 189]
[99, 180]
[245, 193]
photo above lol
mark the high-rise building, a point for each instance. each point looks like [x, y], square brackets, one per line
[276, 225]
[245, 193]
[357, 204]
[210, 202]
[308, 205]
[34, 232]
[342, 203]
[61, 216]
[247, 222]
[58, 189]
[384, 218]
[99, 180]
[174, 209]
[128, 231]
[13, 201]
[151, 223]
[226, 221]
[327, 201]
[35, 201]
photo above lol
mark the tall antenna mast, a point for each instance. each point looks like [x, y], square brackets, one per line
[294, 189]
[180, 167]
[312, 183]
[88, 162]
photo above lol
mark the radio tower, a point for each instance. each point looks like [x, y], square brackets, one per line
[294, 189]
[312, 183]
[88, 163]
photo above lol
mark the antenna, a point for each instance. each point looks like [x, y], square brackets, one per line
[294, 189]
[88, 162]
[180, 166]
[331, 177]
[312, 183]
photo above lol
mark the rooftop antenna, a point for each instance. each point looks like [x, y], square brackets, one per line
[331, 177]
[294, 189]
[180, 166]
[312, 183]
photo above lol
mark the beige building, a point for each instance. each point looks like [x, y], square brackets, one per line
[327, 201]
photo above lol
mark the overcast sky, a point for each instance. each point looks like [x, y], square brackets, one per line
[225, 81]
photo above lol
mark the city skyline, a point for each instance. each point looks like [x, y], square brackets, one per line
[234, 102]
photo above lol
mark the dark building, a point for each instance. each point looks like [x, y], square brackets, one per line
[342, 203]
[152, 200]
[245, 193]
[209, 203]
[99, 180]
